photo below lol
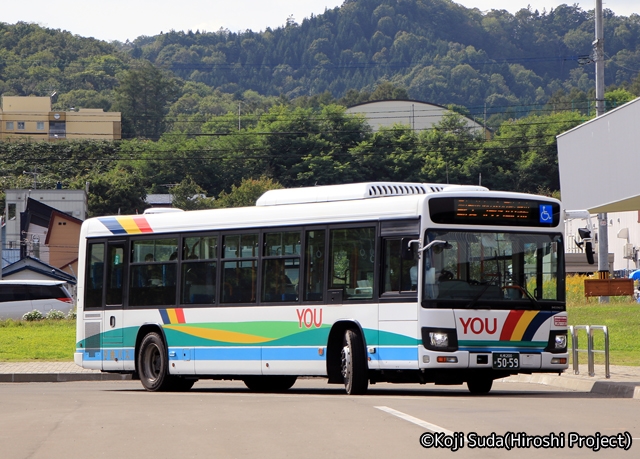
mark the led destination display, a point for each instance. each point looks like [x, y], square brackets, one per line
[494, 211]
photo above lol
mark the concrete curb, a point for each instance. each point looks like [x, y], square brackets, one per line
[613, 389]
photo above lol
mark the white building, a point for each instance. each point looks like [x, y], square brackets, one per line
[599, 164]
[415, 114]
[32, 233]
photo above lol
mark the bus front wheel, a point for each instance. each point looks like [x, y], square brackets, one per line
[153, 363]
[354, 364]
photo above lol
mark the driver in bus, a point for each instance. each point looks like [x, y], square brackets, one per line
[430, 279]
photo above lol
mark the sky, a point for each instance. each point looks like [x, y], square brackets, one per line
[128, 19]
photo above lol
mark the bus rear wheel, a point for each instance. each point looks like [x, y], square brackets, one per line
[153, 364]
[480, 386]
[354, 364]
[270, 383]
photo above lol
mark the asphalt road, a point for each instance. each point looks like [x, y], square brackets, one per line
[117, 419]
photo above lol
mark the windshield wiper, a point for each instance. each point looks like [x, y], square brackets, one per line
[529, 296]
[482, 292]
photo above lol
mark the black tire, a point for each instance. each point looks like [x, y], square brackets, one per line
[480, 386]
[153, 364]
[270, 383]
[354, 367]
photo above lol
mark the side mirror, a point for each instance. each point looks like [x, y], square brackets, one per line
[588, 248]
[406, 247]
[585, 234]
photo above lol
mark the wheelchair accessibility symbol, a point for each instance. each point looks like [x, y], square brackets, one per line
[546, 214]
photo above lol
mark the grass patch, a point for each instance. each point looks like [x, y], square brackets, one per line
[46, 340]
[623, 322]
[621, 316]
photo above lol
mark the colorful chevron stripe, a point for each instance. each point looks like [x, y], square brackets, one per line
[220, 336]
[172, 316]
[523, 325]
[240, 333]
[127, 224]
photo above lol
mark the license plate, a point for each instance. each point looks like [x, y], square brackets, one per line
[506, 360]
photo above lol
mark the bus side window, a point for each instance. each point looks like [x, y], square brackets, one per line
[314, 265]
[115, 273]
[153, 272]
[239, 270]
[199, 270]
[399, 275]
[94, 276]
[352, 261]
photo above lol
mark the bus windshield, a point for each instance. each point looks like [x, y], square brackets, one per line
[493, 270]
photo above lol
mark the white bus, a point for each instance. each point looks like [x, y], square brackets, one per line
[360, 283]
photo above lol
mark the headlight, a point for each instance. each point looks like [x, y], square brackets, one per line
[439, 339]
[557, 342]
[561, 341]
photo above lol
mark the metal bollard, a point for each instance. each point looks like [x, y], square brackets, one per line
[591, 351]
[590, 348]
[574, 345]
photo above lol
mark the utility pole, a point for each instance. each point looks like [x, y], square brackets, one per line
[603, 220]
[598, 50]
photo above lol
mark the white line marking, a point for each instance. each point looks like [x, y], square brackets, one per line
[419, 422]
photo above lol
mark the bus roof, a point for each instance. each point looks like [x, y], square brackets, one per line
[294, 207]
[352, 191]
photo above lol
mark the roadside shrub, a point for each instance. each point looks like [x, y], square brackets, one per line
[33, 316]
[54, 314]
[575, 288]
[6, 323]
[72, 315]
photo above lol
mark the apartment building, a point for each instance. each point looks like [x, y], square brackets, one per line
[31, 118]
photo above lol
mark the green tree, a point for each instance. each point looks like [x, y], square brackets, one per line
[387, 90]
[617, 97]
[143, 97]
[188, 195]
[247, 193]
[391, 154]
[449, 147]
[118, 191]
[524, 153]
[634, 86]
[84, 98]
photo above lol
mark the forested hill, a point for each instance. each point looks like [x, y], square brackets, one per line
[437, 50]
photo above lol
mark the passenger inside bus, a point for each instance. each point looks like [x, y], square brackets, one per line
[153, 274]
[277, 285]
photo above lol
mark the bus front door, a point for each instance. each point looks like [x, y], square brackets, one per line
[112, 336]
